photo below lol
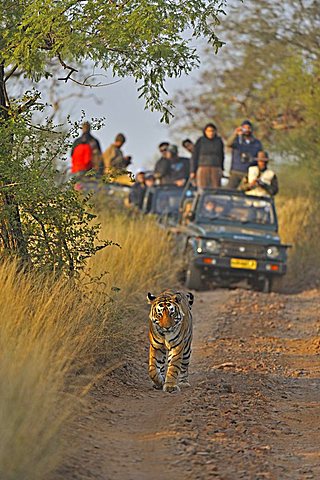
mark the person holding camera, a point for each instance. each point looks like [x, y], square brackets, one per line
[113, 156]
[260, 181]
[245, 147]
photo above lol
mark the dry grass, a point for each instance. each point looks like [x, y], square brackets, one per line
[144, 261]
[40, 337]
[300, 226]
[49, 332]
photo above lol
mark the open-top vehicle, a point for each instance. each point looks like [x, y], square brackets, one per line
[227, 237]
[163, 201]
[112, 190]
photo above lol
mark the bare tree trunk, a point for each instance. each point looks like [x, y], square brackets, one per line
[11, 233]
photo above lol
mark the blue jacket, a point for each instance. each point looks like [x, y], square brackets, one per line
[240, 146]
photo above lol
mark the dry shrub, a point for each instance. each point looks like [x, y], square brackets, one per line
[52, 331]
[300, 226]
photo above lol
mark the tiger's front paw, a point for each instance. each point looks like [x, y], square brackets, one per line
[171, 388]
[184, 384]
[157, 386]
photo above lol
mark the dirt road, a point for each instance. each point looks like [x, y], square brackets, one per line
[252, 413]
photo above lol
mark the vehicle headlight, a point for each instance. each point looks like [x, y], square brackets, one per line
[273, 252]
[211, 246]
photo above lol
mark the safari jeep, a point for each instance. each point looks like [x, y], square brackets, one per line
[227, 237]
[163, 201]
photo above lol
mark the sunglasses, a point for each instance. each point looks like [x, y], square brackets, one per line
[162, 150]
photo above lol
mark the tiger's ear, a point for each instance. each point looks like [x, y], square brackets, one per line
[178, 298]
[190, 298]
[151, 298]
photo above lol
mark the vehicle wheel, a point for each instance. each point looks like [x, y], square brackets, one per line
[263, 285]
[194, 279]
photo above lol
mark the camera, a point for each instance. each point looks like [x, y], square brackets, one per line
[245, 157]
[260, 182]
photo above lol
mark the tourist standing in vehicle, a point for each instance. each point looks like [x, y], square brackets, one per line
[113, 156]
[245, 147]
[179, 166]
[260, 181]
[81, 156]
[207, 159]
[162, 167]
[138, 191]
[188, 145]
[97, 162]
[96, 158]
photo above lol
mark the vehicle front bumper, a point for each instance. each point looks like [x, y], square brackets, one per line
[223, 265]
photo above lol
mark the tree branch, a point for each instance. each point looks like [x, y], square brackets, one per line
[84, 84]
[10, 73]
[28, 104]
[65, 66]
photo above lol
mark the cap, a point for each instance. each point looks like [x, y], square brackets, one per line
[149, 176]
[173, 149]
[246, 122]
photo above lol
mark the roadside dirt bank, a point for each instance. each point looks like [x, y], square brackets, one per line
[252, 412]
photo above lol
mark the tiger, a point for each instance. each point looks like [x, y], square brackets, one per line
[170, 335]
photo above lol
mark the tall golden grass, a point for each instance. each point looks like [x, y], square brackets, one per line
[50, 331]
[143, 261]
[299, 225]
[44, 330]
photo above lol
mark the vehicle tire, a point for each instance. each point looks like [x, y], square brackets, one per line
[263, 285]
[194, 279]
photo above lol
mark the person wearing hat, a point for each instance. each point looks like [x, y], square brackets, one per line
[208, 159]
[245, 147]
[260, 181]
[149, 179]
[179, 166]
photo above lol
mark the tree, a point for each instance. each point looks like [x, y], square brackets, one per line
[143, 39]
[56, 223]
[268, 72]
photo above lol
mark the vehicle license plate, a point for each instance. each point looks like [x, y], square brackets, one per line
[243, 263]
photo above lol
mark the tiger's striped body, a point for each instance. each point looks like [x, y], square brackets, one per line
[170, 335]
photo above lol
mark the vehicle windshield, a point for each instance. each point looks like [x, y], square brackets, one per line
[167, 202]
[235, 208]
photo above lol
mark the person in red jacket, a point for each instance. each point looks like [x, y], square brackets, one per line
[81, 157]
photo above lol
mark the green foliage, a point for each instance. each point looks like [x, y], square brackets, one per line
[147, 40]
[143, 39]
[56, 223]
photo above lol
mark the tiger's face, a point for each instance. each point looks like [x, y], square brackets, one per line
[166, 313]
